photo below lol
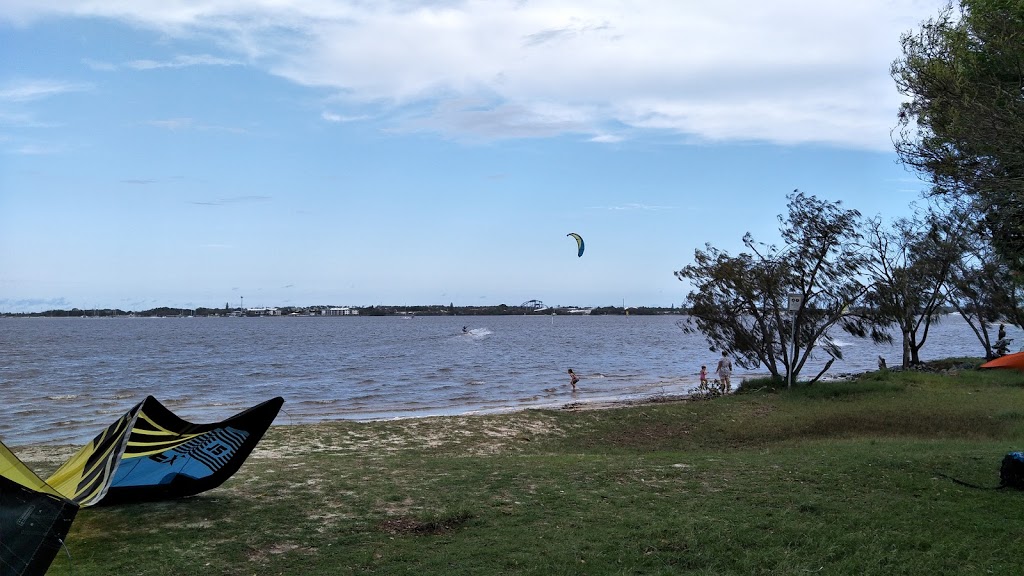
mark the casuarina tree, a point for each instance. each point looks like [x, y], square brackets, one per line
[911, 265]
[962, 125]
[773, 306]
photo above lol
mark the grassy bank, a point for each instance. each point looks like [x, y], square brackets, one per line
[838, 478]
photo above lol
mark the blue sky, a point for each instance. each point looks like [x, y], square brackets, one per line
[173, 153]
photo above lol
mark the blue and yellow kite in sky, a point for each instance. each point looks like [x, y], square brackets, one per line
[579, 243]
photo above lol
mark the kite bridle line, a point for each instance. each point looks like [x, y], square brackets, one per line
[71, 561]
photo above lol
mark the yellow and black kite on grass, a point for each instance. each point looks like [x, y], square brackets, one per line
[34, 519]
[149, 453]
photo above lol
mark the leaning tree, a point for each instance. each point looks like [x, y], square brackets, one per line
[773, 306]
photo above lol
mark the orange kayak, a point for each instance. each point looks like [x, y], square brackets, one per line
[1015, 361]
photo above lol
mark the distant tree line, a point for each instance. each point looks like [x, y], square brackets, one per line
[424, 310]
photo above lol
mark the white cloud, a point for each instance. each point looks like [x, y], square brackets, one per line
[176, 124]
[634, 207]
[182, 61]
[28, 90]
[173, 123]
[36, 150]
[22, 120]
[99, 65]
[790, 71]
[338, 118]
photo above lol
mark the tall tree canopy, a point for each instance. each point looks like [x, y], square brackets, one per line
[742, 303]
[963, 125]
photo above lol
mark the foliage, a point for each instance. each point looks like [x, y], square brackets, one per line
[981, 287]
[707, 390]
[963, 125]
[911, 264]
[760, 384]
[740, 303]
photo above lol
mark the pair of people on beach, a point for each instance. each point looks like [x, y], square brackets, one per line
[724, 371]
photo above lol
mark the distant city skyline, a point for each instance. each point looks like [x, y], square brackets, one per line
[299, 152]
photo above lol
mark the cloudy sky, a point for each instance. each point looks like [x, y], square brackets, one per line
[195, 153]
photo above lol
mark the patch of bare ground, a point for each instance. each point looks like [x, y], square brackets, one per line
[260, 555]
[408, 525]
[471, 435]
[44, 460]
[659, 399]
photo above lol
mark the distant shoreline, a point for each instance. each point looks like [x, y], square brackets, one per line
[348, 311]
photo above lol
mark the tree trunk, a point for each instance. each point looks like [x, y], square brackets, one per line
[823, 370]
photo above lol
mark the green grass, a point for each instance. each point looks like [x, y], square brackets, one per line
[835, 478]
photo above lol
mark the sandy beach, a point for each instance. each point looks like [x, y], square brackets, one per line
[352, 437]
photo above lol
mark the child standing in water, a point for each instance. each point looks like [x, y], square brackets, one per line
[573, 379]
[703, 375]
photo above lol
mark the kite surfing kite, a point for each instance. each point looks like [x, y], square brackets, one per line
[149, 453]
[579, 243]
[34, 519]
[1015, 361]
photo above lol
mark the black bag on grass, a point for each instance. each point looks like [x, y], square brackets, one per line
[1011, 473]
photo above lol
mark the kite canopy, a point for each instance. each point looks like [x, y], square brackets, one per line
[34, 519]
[579, 243]
[147, 454]
[151, 454]
[1015, 361]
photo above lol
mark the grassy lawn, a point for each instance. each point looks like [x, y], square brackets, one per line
[837, 478]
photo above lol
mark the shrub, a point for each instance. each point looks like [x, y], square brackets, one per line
[765, 383]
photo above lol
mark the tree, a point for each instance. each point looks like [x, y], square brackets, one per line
[741, 303]
[910, 265]
[963, 126]
[981, 287]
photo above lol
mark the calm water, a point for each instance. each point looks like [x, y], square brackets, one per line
[63, 380]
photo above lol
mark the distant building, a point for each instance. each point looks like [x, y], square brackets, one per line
[262, 312]
[340, 311]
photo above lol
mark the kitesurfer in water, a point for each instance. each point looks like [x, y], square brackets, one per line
[464, 330]
[573, 379]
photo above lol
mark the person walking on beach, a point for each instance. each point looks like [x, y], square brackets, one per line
[703, 376]
[724, 370]
[573, 379]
